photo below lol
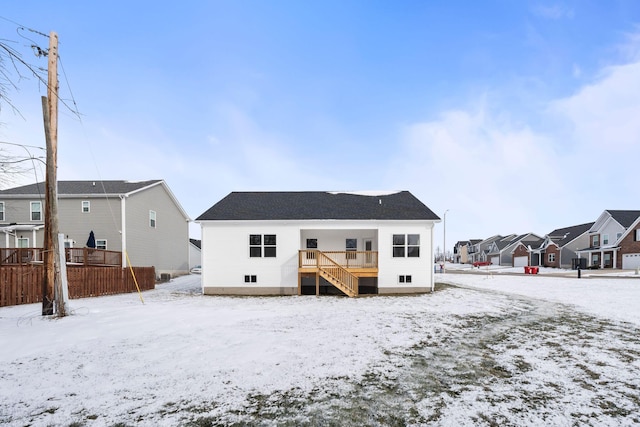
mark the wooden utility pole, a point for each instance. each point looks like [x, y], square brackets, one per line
[51, 247]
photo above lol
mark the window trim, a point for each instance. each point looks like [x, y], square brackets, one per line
[595, 240]
[551, 257]
[98, 245]
[1, 211]
[407, 248]
[605, 239]
[637, 236]
[32, 211]
[153, 222]
[265, 249]
[88, 206]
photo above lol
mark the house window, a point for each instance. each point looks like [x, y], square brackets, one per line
[36, 211]
[637, 239]
[152, 219]
[1, 211]
[404, 278]
[596, 241]
[250, 278]
[605, 239]
[406, 245]
[86, 206]
[551, 257]
[262, 245]
[101, 244]
[351, 245]
[312, 245]
[23, 242]
[68, 243]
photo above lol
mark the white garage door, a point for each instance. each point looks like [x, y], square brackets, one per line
[495, 260]
[630, 261]
[520, 261]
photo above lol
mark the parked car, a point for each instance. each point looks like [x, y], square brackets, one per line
[481, 263]
[196, 270]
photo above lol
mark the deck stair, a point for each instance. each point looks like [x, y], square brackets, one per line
[337, 275]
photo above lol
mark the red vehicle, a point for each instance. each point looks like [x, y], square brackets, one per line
[481, 263]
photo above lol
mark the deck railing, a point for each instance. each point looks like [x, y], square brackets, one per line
[337, 275]
[75, 256]
[345, 259]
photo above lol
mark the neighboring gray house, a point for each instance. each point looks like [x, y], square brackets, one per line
[480, 250]
[559, 247]
[195, 253]
[143, 219]
[501, 251]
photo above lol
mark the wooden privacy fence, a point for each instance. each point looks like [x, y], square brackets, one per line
[23, 284]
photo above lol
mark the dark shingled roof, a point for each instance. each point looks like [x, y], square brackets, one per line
[624, 218]
[562, 236]
[83, 187]
[310, 205]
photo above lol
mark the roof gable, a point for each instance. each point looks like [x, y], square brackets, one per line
[310, 205]
[563, 236]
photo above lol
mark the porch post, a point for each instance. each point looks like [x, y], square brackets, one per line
[615, 259]
[317, 283]
[601, 259]
[299, 283]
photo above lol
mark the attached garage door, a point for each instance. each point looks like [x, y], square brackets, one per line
[495, 260]
[630, 261]
[520, 261]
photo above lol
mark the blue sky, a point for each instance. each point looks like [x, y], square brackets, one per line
[516, 116]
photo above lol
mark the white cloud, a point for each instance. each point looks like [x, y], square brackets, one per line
[555, 11]
[499, 176]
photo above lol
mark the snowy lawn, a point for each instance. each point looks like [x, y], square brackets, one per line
[500, 350]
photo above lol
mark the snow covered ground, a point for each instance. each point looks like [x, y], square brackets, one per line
[496, 350]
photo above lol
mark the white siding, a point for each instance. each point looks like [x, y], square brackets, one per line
[226, 260]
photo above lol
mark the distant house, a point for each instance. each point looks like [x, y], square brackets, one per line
[500, 252]
[611, 240]
[195, 253]
[142, 219]
[480, 250]
[285, 243]
[521, 251]
[559, 247]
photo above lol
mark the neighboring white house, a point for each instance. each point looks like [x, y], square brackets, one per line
[287, 243]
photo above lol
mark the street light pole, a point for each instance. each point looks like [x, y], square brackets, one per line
[444, 243]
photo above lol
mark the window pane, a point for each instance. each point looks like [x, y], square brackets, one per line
[351, 244]
[408, 279]
[255, 239]
[414, 239]
[270, 251]
[312, 243]
[413, 251]
[398, 239]
[255, 251]
[398, 252]
[270, 239]
[401, 279]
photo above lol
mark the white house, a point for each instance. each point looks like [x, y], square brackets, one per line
[287, 243]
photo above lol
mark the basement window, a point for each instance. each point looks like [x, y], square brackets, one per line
[250, 278]
[404, 278]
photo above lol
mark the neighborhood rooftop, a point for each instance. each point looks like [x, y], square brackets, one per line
[83, 187]
[309, 205]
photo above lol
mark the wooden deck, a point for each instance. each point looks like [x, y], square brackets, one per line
[74, 256]
[342, 269]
